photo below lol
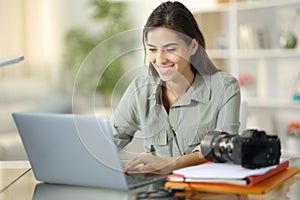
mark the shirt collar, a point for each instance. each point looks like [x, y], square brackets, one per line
[157, 90]
[199, 91]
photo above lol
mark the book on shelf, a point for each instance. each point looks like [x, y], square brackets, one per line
[252, 37]
[226, 173]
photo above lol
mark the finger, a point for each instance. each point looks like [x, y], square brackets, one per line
[134, 164]
[142, 157]
[147, 169]
[139, 161]
[134, 167]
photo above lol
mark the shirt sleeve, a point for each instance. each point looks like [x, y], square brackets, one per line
[123, 119]
[229, 100]
[228, 117]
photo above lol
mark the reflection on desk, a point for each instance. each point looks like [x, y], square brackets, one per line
[28, 188]
[45, 191]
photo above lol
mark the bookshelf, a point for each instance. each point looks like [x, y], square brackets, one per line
[243, 38]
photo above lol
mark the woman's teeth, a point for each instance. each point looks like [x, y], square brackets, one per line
[165, 69]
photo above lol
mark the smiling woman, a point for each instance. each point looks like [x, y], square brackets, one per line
[170, 55]
[183, 97]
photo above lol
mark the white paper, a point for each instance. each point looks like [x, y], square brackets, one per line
[221, 171]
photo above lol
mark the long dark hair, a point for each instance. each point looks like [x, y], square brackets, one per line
[175, 16]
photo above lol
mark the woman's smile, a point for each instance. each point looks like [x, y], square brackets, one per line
[165, 69]
[169, 54]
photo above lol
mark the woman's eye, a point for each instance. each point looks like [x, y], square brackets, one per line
[170, 50]
[151, 49]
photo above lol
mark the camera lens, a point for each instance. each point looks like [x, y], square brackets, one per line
[218, 146]
[253, 149]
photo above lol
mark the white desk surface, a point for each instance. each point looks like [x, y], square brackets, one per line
[18, 182]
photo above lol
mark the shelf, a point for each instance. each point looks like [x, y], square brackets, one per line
[271, 103]
[239, 6]
[275, 67]
[253, 53]
[268, 53]
[263, 4]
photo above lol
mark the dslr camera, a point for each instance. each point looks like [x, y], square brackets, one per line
[253, 149]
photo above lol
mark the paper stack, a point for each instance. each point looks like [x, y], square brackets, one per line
[230, 178]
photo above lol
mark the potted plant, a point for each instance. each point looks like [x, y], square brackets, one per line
[83, 67]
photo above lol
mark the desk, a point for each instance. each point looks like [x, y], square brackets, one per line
[11, 171]
[18, 182]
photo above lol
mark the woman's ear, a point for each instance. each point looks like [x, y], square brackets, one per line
[194, 46]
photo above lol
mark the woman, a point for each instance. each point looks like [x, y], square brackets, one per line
[183, 98]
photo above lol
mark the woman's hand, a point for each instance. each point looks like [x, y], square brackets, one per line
[148, 163]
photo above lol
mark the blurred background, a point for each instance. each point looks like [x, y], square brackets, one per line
[255, 40]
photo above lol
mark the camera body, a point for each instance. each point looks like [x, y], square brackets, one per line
[253, 149]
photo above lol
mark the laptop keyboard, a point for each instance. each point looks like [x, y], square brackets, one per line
[137, 180]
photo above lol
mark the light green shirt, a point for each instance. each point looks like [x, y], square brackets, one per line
[211, 103]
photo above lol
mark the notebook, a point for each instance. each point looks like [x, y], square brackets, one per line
[75, 150]
[260, 188]
[226, 173]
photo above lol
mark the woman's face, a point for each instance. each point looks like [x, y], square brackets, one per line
[169, 54]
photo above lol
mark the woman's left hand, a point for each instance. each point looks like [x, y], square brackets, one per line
[148, 163]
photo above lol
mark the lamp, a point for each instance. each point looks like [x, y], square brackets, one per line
[11, 60]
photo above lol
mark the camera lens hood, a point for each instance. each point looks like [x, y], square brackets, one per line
[208, 143]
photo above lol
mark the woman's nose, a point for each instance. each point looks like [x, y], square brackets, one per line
[160, 56]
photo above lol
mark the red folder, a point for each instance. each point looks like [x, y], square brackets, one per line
[247, 181]
[262, 187]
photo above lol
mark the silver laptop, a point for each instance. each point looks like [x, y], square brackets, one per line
[75, 150]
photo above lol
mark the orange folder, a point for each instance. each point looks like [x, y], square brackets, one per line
[262, 187]
[247, 181]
